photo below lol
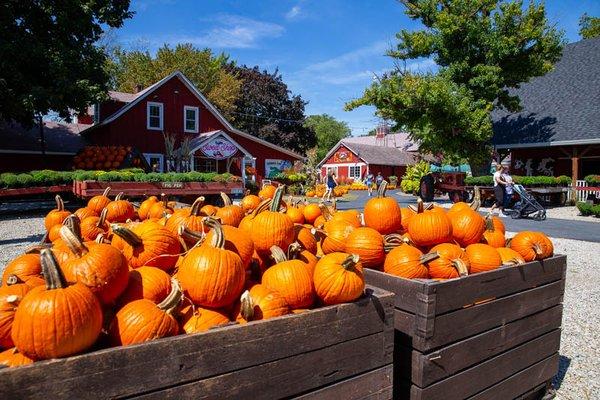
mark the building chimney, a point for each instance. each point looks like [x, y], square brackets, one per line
[138, 88]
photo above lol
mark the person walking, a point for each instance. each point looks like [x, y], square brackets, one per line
[508, 188]
[369, 182]
[331, 184]
[378, 180]
[499, 194]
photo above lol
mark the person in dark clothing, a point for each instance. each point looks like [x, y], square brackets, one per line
[331, 184]
[499, 190]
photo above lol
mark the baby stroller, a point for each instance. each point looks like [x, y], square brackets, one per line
[527, 205]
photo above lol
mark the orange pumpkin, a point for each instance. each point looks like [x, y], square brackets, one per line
[236, 240]
[267, 192]
[532, 245]
[85, 212]
[144, 209]
[291, 278]
[467, 227]
[407, 214]
[143, 320]
[295, 214]
[311, 212]
[10, 297]
[271, 227]
[160, 208]
[56, 320]
[383, 213]
[191, 218]
[492, 236]
[119, 210]
[510, 257]
[148, 283]
[97, 203]
[408, 262]
[335, 234]
[22, 269]
[91, 227]
[199, 319]
[353, 217]
[482, 257]
[250, 202]
[368, 244]
[229, 214]
[260, 303]
[338, 278]
[452, 262]
[211, 275]
[56, 216]
[428, 228]
[305, 238]
[12, 358]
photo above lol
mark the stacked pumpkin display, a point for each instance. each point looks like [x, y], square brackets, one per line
[106, 158]
[112, 274]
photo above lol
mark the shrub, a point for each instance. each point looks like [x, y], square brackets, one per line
[409, 186]
[592, 179]
[586, 209]
[521, 180]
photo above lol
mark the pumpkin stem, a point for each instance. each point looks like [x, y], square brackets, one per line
[350, 262]
[171, 303]
[119, 196]
[102, 218]
[277, 254]
[73, 223]
[106, 191]
[425, 258]
[393, 240]
[489, 223]
[277, 198]
[325, 212]
[60, 205]
[73, 242]
[218, 238]
[196, 206]
[263, 206]
[12, 280]
[226, 199]
[382, 189]
[538, 249]
[101, 238]
[512, 261]
[293, 250]
[37, 248]
[185, 232]
[247, 306]
[420, 205]
[460, 266]
[127, 235]
[52, 274]
[13, 298]
[476, 203]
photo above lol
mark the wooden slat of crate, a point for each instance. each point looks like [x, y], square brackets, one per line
[425, 369]
[521, 382]
[358, 388]
[451, 327]
[286, 377]
[457, 293]
[497, 369]
[128, 371]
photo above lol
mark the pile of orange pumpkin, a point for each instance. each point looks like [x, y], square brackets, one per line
[114, 274]
[104, 157]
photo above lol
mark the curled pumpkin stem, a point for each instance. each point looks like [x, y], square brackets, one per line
[119, 196]
[73, 242]
[171, 303]
[101, 238]
[393, 240]
[382, 189]
[52, 275]
[218, 238]
[102, 219]
[476, 203]
[60, 204]
[293, 250]
[185, 232]
[37, 248]
[226, 199]
[425, 258]
[460, 266]
[196, 206]
[489, 223]
[276, 201]
[350, 262]
[72, 222]
[325, 211]
[127, 235]
[278, 254]
[247, 306]
[538, 249]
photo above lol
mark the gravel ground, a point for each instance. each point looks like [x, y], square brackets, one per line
[579, 374]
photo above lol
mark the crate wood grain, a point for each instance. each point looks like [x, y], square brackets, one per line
[445, 329]
[286, 356]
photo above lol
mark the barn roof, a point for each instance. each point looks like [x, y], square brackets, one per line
[400, 140]
[60, 138]
[371, 154]
[559, 108]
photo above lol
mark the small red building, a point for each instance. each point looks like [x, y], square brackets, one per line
[354, 160]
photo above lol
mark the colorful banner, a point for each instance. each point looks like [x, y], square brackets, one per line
[218, 148]
[274, 167]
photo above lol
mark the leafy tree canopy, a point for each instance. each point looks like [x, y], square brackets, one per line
[49, 59]
[483, 48]
[329, 131]
[266, 108]
[589, 27]
[206, 71]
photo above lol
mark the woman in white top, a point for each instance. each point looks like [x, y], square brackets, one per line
[499, 192]
[508, 188]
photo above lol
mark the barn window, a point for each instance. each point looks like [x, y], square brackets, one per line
[155, 116]
[354, 172]
[190, 119]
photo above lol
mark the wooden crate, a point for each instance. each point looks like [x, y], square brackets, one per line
[342, 351]
[493, 335]
[88, 189]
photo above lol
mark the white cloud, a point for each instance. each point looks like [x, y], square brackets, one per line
[294, 12]
[229, 31]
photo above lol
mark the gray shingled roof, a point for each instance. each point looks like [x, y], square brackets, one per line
[399, 140]
[59, 137]
[561, 106]
[381, 155]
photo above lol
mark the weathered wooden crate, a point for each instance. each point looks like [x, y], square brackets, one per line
[493, 335]
[341, 352]
[88, 189]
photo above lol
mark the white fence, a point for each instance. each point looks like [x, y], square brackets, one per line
[583, 194]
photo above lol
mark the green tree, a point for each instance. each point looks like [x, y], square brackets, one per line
[329, 131]
[206, 71]
[49, 58]
[267, 109]
[483, 48]
[589, 27]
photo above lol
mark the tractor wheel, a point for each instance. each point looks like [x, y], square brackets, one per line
[426, 188]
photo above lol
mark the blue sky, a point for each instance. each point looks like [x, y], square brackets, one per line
[327, 50]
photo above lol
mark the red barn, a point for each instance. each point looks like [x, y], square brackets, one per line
[175, 106]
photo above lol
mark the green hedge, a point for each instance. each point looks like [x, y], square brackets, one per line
[592, 179]
[49, 178]
[589, 209]
[522, 180]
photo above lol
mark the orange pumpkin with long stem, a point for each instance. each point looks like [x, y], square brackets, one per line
[148, 283]
[291, 278]
[160, 208]
[56, 216]
[339, 278]
[12, 358]
[383, 213]
[149, 244]
[10, 297]
[199, 319]
[296, 252]
[260, 303]
[22, 269]
[452, 262]
[510, 257]
[119, 210]
[271, 227]
[91, 227]
[305, 238]
[492, 236]
[408, 262]
[229, 214]
[99, 202]
[532, 245]
[368, 244]
[236, 240]
[142, 320]
[211, 275]
[428, 227]
[482, 258]
[99, 266]
[468, 227]
[56, 320]
[145, 207]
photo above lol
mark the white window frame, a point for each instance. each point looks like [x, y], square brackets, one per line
[197, 119]
[161, 115]
[350, 175]
[160, 156]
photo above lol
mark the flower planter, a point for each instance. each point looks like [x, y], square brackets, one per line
[338, 352]
[493, 335]
[88, 189]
